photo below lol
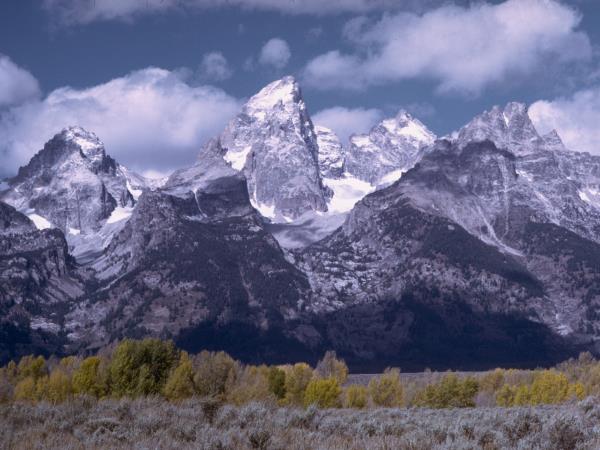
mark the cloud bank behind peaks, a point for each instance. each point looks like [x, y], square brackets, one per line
[462, 49]
[16, 84]
[347, 121]
[577, 119]
[148, 119]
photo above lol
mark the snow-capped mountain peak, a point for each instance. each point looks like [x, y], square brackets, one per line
[391, 148]
[72, 184]
[90, 145]
[509, 128]
[276, 94]
[274, 143]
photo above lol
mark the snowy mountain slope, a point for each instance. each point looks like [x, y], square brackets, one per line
[73, 185]
[274, 143]
[484, 252]
[194, 256]
[391, 148]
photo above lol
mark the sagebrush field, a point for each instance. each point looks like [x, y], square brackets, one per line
[154, 423]
[148, 394]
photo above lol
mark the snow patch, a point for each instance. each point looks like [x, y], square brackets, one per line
[265, 210]
[120, 213]
[74, 231]
[237, 160]
[40, 222]
[591, 196]
[347, 191]
[391, 177]
[39, 323]
[135, 193]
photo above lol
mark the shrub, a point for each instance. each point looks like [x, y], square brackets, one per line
[386, 389]
[356, 396]
[323, 392]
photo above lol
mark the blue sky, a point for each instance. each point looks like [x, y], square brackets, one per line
[156, 78]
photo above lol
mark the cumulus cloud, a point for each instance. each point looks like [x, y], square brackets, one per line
[17, 85]
[214, 67]
[463, 49]
[576, 119]
[149, 119]
[276, 53]
[347, 121]
[86, 11]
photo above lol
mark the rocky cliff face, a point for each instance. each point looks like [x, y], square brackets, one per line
[38, 282]
[194, 260]
[483, 253]
[390, 149]
[273, 142]
[73, 185]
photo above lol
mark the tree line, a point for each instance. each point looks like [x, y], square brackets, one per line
[152, 367]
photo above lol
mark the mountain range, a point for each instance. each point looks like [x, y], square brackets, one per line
[472, 250]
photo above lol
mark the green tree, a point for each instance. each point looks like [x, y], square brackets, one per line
[332, 367]
[56, 388]
[386, 389]
[141, 367]
[251, 385]
[450, 392]
[296, 380]
[214, 372]
[277, 382]
[31, 366]
[87, 379]
[506, 396]
[26, 389]
[323, 392]
[180, 383]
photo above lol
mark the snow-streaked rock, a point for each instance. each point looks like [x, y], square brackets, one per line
[331, 153]
[273, 142]
[391, 148]
[72, 184]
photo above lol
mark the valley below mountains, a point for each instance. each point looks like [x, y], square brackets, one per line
[398, 248]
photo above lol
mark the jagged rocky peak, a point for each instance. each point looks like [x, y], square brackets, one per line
[331, 153]
[553, 140]
[273, 142]
[510, 128]
[391, 148]
[72, 143]
[72, 184]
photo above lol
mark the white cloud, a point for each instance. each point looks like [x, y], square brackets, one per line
[577, 119]
[462, 49]
[347, 121]
[16, 84]
[214, 67]
[149, 119]
[86, 11]
[276, 52]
